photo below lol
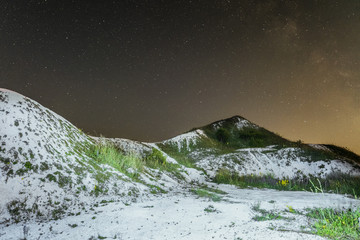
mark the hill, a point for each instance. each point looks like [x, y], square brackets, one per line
[48, 167]
[244, 148]
[52, 172]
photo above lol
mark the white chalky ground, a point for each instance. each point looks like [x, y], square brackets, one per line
[183, 216]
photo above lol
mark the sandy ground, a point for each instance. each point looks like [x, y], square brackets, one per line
[183, 216]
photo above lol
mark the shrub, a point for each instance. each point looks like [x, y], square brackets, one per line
[222, 135]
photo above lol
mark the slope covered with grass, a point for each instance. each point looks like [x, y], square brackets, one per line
[253, 156]
[44, 169]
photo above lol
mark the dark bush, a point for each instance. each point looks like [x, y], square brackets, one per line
[222, 135]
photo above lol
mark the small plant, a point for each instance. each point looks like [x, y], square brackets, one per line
[265, 215]
[210, 209]
[290, 209]
[205, 194]
[283, 183]
[214, 190]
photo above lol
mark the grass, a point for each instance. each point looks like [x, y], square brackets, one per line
[228, 134]
[132, 165]
[334, 183]
[210, 189]
[106, 153]
[182, 156]
[157, 160]
[330, 223]
[344, 152]
[264, 214]
[336, 224]
[206, 194]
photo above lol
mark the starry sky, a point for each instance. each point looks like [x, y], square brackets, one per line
[149, 70]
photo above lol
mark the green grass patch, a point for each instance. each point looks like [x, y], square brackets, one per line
[107, 153]
[157, 160]
[206, 194]
[214, 190]
[246, 137]
[265, 215]
[334, 183]
[336, 224]
[156, 189]
[181, 156]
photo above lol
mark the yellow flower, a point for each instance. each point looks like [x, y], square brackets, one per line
[290, 208]
[283, 182]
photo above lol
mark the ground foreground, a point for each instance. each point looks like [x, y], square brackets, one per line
[187, 215]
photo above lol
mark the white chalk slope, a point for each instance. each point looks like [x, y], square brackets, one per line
[44, 172]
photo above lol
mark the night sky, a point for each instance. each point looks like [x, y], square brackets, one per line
[149, 70]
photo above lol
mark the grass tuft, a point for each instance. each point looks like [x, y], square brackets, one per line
[107, 153]
[264, 214]
[336, 224]
[205, 194]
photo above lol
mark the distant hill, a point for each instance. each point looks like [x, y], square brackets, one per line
[245, 148]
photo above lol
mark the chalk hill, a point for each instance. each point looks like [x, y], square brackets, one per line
[46, 170]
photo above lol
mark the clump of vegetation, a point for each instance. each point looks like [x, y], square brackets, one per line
[222, 135]
[28, 165]
[264, 214]
[181, 156]
[19, 210]
[210, 209]
[344, 152]
[336, 183]
[210, 189]
[244, 137]
[107, 153]
[205, 194]
[336, 224]
[157, 160]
